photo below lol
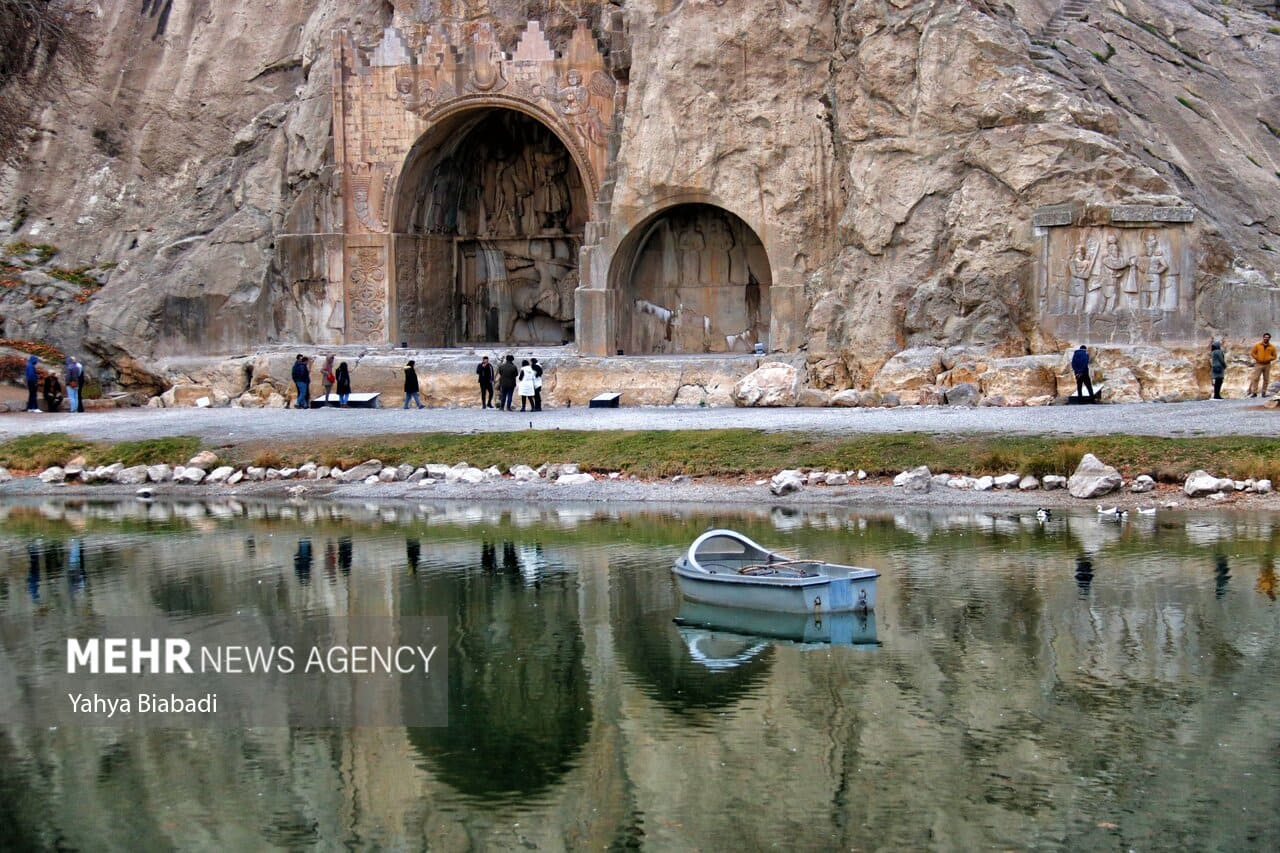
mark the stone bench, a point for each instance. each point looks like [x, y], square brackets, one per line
[365, 400]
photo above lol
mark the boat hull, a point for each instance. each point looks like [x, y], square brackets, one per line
[822, 594]
[855, 628]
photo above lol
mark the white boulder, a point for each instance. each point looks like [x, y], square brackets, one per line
[1093, 478]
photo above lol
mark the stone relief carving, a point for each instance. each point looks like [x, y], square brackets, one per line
[515, 180]
[366, 295]
[1133, 273]
[369, 191]
[409, 309]
[486, 62]
[573, 101]
[700, 283]
[1118, 283]
[518, 291]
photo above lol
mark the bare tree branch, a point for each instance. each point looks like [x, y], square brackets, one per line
[43, 47]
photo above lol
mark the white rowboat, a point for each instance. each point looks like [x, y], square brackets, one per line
[725, 568]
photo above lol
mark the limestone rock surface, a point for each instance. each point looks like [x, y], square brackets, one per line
[772, 384]
[892, 155]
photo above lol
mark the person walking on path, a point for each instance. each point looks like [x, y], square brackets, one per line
[344, 384]
[1217, 367]
[526, 386]
[411, 386]
[1263, 352]
[327, 378]
[507, 373]
[537, 384]
[484, 372]
[33, 383]
[1080, 367]
[302, 381]
[74, 379]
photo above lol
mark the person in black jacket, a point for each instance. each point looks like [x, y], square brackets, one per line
[1080, 367]
[411, 386]
[507, 373]
[344, 384]
[537, 384]
[302, 380]
[484, 372]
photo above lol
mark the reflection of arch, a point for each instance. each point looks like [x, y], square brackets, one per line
[519, 694]
[489, 211]
[654, 651]
[692, 277]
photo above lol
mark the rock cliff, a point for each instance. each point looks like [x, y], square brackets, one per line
[898, 149]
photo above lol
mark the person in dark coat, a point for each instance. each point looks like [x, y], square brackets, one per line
[411, 386]
[1080, 367]
[484, 372]
[33, 383]
[507, 373]
[52, 392]
[344, 384]
[302, 379]
[537, 384]
[1217, 367]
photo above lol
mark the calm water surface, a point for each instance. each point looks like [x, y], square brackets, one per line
[1073, 685]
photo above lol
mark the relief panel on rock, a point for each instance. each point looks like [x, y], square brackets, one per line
[699, 283]
[1113, 284]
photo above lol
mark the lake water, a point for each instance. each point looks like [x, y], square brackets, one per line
[1071, 685]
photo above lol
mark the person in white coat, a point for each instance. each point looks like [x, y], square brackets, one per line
[525, 385]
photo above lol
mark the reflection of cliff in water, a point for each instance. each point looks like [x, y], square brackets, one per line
[654, 651]
[519, 697]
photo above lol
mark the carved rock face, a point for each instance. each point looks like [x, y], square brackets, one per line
[890, 162]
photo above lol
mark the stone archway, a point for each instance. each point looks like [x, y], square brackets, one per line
[490, 212]
[693, 278]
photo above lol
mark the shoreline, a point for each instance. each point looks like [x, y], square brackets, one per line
[707, 492]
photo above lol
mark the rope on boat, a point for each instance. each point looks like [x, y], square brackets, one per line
[764, 568]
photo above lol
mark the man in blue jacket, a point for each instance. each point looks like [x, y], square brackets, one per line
[33, 381]
[302, 379]
[1080, 367]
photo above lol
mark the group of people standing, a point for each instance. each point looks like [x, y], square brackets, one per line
[508, 379]
[52, 388]
[1263, 354]
[526, 380]
[331, 379]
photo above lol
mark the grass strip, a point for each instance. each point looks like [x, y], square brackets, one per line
[654, 454]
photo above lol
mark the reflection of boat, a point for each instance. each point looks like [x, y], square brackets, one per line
[717, 652]
[857, 628]
[726, 568]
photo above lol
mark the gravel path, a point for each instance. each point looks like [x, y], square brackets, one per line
[1200, 418]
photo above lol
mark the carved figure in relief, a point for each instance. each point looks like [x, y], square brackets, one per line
[1153, 266]
[1118, 278]
[1081, 271]
[367, 212]
[690, 244]
[716, 263]
[551, 198]
[573, 100]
